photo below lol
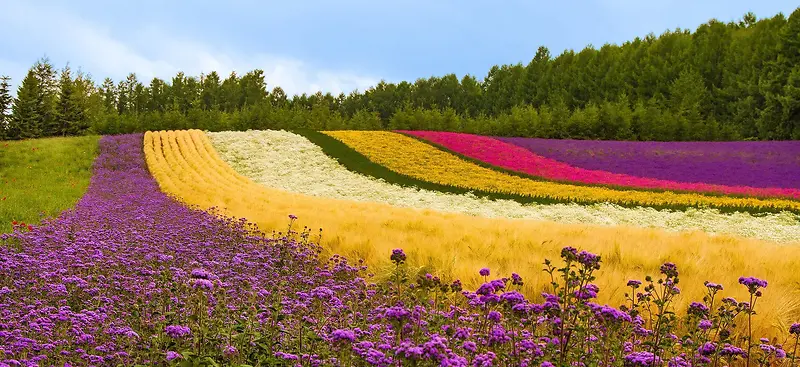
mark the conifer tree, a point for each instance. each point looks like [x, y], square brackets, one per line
[28, 111]
[69, 113]
[5, 106]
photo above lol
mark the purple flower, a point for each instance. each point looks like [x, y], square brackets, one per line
[589, 260]
[484, 272]
[397, 313]
[516, 279]
[795, 329]
[704, 325]
[173, 355]
[752, 283]
[634, 283]
[201, 274]
[229, 351]
[707, 349]
[730, 350]
[343, 335]
[713, 286]
[292, 216]
[547, 364]
[669, 269]
[512, 298]
[470, 346]
[177, 331]
[588, 291]
[698, 309]
[202, 284]
[641, 359]
[398, 256]
[494, 316]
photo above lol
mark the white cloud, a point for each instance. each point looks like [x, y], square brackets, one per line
[153, 52]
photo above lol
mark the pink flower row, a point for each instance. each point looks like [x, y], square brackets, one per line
[514, 158]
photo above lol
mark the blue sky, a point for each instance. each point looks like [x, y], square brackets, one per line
[305, 46]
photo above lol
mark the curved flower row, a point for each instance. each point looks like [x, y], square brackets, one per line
[730, 163]
[406, 155]
[186, 166]
[512, 157]
[290, 162]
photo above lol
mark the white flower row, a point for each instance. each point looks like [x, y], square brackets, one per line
[290, 162]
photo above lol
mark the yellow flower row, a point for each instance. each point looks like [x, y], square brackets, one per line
[186, 166]
[414, 158]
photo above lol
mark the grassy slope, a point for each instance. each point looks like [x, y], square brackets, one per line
[43, 176]
[357, 162]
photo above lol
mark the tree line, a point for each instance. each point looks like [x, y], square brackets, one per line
[724, 81]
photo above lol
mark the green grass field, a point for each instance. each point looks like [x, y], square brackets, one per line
[42, 177]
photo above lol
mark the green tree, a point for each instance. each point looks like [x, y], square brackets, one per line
[5, 107]
[28, 120]
[69, 113]
[48, 89]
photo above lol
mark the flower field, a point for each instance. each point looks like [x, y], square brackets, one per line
[186, 165]
[153, 266]
[290, 162]
[513, 157]
[765, 164]
[411, 157]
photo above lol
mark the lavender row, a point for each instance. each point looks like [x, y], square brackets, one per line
[755, 164]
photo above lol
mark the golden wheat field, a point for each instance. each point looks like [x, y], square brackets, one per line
[186, 166]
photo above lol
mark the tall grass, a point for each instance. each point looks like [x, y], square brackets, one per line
[452, 245]
[41, 177]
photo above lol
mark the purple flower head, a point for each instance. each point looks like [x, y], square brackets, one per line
[398, 256]
[470, 346]
[569, 253]
[201, 274]
[588, 291]
[634, 284]
[731, 351]
[516, 279]
[229, 351]
[707, 349]
[173, 355]
[669, 269]
[202, 284]
[698, 309]
[512, 298]
[343, 335]
[484, 272]
[752, 283]
[641, 359]
[292, 216]
[705, 324]
[795, 329]
[547, 364]
[494, 316]
[713, 286]
[456, 286]
[397, 313]
[589, 260]
[177, 331]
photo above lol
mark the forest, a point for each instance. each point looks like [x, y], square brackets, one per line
[723, 81]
